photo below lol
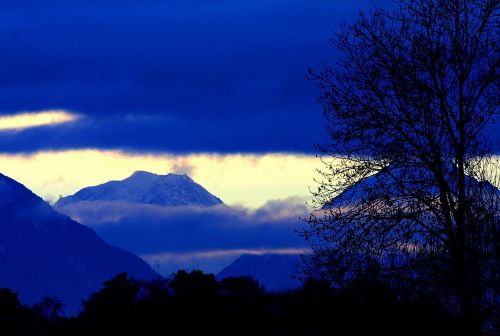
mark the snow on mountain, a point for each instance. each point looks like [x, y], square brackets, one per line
[175, 223]
[147, 188]
[276, 272]
[44, 253]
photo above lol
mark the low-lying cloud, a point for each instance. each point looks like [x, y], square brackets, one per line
[190, 237]
[210, 260]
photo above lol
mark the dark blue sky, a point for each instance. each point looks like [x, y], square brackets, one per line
[176, 76]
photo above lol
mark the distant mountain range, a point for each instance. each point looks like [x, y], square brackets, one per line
[175, 223]
[43, 252]
[276, 272]
[146, 188]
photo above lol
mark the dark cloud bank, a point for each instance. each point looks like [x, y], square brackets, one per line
[226, 76]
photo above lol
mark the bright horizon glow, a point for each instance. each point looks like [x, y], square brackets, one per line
[21, 121]
[248, 180]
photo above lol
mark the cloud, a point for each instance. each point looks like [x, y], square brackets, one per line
[210, 261]
[290, 207]
[183, 167]
[193, 237]
[178, 76]
[188, 256]
[246, 179]
[145, 229]
[25, 120]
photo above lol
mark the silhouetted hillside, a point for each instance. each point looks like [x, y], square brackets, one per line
[45, 253]
[276, 272]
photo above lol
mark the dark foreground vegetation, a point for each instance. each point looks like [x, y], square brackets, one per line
[195, 303]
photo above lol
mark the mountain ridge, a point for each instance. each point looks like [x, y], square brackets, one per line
[45, 253]
[146, 188]
[276, 272]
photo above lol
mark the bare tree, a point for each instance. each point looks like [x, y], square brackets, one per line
[409, 179]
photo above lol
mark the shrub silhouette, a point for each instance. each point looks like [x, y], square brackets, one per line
[193, 303]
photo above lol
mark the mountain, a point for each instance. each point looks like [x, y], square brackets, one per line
[174, 223]
[146, 188]
[275, 271]
[44, 253]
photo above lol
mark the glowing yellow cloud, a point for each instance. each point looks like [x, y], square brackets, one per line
[20, 121]
[248, 180]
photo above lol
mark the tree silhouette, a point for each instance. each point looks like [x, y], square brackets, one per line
[240, 286]
[194, 284]
[110, 311]
[410, 191]
[49, 308]
[234, 306]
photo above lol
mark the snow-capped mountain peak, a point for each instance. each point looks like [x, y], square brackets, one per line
[147, 188]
